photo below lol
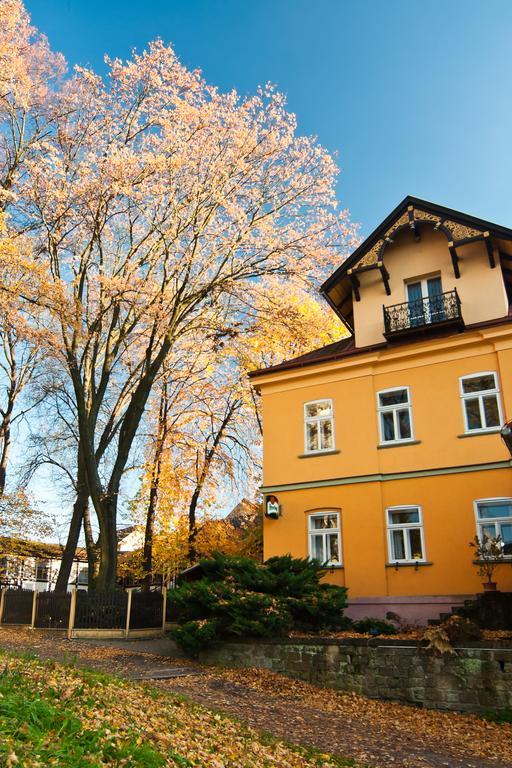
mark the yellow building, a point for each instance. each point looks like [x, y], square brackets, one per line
[383, 451]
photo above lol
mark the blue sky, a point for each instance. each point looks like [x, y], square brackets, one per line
[413, 96]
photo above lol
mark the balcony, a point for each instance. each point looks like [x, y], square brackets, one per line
[412, 318]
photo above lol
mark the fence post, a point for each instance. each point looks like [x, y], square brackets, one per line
[128, 612]
[164, 607]
[2, 604]
[72, 611]
[34, 609]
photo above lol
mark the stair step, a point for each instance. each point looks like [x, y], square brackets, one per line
[434, 622]
[444, 616]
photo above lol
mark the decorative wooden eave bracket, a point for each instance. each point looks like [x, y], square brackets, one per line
[412, 223]
[456, 233]
[385, 277]
[355, 284]
[455, 259]
[454, 244]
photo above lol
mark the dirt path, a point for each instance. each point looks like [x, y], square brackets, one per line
[379, 734]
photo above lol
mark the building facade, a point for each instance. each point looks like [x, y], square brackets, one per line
[35, 565]
[383, 452]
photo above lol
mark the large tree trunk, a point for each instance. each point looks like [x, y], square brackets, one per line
[79, 508]
[105, 500]
[107, 573]
[5, 426]
[91, 548]
[4, 455]
[192, 524]
[147, 560]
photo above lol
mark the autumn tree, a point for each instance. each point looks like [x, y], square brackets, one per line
[216, 426]
[159, 201]
[30, 74]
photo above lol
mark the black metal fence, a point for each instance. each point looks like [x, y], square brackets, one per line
[146, 610]
[18, 606]
[92, 610]
[52, 610]
[101, 610]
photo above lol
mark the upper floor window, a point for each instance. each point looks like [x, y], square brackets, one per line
[325, 537]
[405, 534]
[319, 426]
[395, 415]
[480, 402]
[494, 518]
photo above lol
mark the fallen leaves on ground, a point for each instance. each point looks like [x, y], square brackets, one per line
[464, 733]
[128, 724]
[380, 733]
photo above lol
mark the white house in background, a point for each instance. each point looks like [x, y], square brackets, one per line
[130, 539]
[35, 565]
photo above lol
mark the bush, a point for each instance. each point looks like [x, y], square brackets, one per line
[237, 597]
[371, 626]
[461, 630]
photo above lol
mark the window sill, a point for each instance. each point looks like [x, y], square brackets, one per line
[479, 432]
[398, 444]
[332, 567]
[409, 564]
[317, 453]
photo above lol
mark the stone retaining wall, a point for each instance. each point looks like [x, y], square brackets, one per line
[475, 679]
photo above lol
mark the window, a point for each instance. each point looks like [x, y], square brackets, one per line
[325, 537]
[83, 576]
[395, 415]
[42, 570]
[319, 426]
[494, 518]
[405, 534]
[480, 402]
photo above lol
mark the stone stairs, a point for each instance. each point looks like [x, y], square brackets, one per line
[459, 610]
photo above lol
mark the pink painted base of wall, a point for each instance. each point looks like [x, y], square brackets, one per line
[411, 609]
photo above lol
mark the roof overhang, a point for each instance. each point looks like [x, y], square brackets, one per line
[506, 434]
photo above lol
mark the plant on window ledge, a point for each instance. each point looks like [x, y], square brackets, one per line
[488, 553]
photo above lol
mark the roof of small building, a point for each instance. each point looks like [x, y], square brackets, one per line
[41, 549]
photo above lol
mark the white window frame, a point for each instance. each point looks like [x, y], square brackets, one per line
[481, 522]
[479, 396]
[381, 409]
[390, 527]
[324, 532]
[317, 420]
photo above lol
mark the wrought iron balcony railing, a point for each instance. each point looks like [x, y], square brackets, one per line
[417, 316]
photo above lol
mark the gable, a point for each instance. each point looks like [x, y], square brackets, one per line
[413, 214]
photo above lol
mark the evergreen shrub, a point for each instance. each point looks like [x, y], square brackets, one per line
[238, 597]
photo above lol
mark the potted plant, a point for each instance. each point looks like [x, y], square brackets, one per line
[488, 554]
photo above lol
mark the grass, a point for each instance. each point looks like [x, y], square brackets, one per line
[42, 729]
[59, 715]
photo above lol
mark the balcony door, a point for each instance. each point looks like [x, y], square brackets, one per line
[425, 299]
